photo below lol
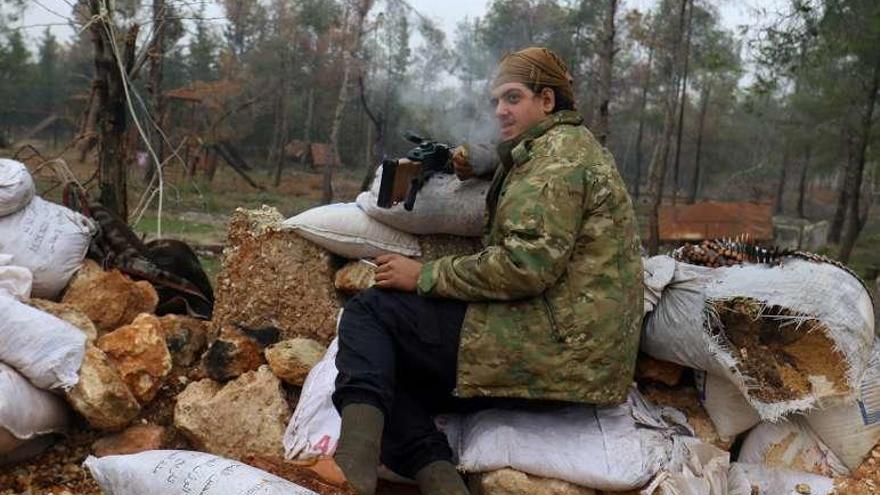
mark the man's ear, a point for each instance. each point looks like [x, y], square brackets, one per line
[548, 100]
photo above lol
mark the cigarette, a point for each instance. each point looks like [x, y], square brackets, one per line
[368, 262]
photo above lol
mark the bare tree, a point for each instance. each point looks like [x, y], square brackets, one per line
[606, 73]
[681, 103]
[156, 54]
[361, 9]
[704, 105]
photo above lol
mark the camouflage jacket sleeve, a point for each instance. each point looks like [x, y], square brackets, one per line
[538, 221]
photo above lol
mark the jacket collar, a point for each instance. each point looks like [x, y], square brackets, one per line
[516, 151]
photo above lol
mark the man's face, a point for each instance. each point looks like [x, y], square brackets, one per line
[518, 108]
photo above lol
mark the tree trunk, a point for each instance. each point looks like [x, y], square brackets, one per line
[660, 159]
[606, 72]
[310, 115]
[681, 103]
[836, 229]
[111, 117]
[643, 105]
[802, 182]
[362, 8]
[779, 206]
[156, 54]
[695, 183]
[853, 222]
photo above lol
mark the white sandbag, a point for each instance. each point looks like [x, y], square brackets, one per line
[444, 205]
[16, 186]
[771, 481]
[48, 351]
[694, 468]
[658, 272]
[15, 280]
[852, 430]
[790, 445]
[26, 412]
[682, 328]
[181, 472]
[728, 409]
[313, 430]
[345, 229]
[49, 240]
[606, 448]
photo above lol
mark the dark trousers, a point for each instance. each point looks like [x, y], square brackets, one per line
[398, 351]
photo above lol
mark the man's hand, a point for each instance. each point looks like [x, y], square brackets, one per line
[460, 164]
[397, 272]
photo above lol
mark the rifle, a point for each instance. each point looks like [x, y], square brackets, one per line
[404, 180]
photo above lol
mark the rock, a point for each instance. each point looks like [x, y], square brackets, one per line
[100, 395]
[354, 277]
[511, 482]
[135, 439]
[292, 359]
[648, 368]
[245, 416]
[68, 313]
[236, 351]
[186, 338]
[273, 277]
[139, 353]
[110, 299]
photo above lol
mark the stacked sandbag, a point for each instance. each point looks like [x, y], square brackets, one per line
[785, 348]
[177, 471]
[444, 205]
[27, 413]
[46, 238]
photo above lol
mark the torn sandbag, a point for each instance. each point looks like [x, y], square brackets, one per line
[754, 479]
[783, 346]
[790, 444]
[852, 429]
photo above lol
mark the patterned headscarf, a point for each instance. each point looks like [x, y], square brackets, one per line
[535, 67]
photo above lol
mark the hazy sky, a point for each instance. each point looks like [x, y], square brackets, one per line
[446, 13]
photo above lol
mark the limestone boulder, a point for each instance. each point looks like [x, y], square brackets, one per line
[68, 313]
[291, 360]
[101, 396]
[246, 416]
[273, 277]
[512, 482]
[110, 299]
[186, 338]
[236, 351]
[132, 440]
[140, 355]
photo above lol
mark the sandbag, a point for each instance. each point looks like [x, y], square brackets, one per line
[743, 479]
[790, 445]
[15, 280]
[851, 430]
[728, 409]
[820, 337]
[444, 205]
[313, 430]
[658, 272]
[345, 230]
[608, 448]
[179, 472]
[694, 468]
[26, 412]
[49, 240]
[16, 186]
[48, 351]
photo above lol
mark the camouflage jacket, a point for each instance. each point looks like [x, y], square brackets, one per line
[556, 294]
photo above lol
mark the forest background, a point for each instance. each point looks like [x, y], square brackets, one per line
[781, 110]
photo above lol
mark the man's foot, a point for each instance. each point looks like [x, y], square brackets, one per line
[441, 478]
[359, 442]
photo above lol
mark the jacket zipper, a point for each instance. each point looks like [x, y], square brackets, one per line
[550, 315]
